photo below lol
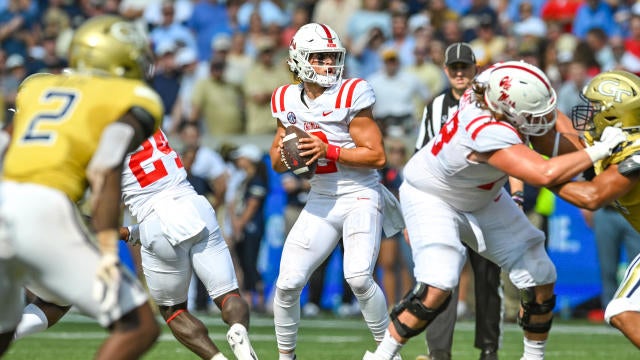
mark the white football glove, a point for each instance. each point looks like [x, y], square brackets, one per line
[611, 137]
[134, 234]
[107, 283]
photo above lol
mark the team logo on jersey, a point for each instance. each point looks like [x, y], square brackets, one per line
[291, 117]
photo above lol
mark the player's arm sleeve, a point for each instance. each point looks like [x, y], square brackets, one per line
[104, 173]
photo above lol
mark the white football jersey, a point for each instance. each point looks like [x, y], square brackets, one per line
[442, 167]
[328, 117]
[154, 170]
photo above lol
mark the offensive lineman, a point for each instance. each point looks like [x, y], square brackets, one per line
[346, 198]
[453, 191]
[69, 133]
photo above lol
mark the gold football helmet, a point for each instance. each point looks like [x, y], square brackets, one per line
[612, 98]
[111, 44]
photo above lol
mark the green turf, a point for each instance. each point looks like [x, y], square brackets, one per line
[328, 338]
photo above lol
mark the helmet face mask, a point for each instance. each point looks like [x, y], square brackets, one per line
[582, 115]
[310, 47]
[110, 44]
[522, 93]
[611, 99]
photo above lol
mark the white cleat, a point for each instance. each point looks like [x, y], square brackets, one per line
[238, 339]
[397, 357]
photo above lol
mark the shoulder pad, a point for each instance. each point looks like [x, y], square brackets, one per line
[630, 165]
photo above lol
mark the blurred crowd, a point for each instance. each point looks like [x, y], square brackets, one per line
[217, 61]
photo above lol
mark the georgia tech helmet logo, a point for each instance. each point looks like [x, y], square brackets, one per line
[611, 88]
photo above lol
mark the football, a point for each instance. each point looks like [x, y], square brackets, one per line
[291, 155]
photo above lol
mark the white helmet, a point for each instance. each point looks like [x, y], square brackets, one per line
[316, 38]
[523, 93]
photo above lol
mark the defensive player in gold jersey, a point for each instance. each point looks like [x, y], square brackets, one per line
[70, 131]
[613, 99]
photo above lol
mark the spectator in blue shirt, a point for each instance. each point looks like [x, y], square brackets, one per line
[595, 14]
[209, 18]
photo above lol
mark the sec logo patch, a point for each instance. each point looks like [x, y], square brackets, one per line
[291, 117]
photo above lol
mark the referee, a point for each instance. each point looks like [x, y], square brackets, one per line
[460, 68]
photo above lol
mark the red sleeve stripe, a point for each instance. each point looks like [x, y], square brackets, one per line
[280, 98]
[497, 123]
[339, 97]
[351, 84]
[476, 120]
[352, 89]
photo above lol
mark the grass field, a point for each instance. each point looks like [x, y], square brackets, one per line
[327, 338]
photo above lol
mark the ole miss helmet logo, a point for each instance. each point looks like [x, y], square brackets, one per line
[505, 82]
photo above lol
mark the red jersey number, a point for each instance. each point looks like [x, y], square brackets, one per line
[446, 133]
[159, 170]
[331, 166]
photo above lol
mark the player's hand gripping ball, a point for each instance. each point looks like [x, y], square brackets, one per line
[290, 155]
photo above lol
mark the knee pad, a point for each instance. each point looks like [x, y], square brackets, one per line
[412, 302]
[531, 307]
[360, 285]
[287, 298]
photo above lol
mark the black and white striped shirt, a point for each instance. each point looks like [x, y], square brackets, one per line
[435, 114]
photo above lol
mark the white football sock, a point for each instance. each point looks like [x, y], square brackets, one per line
[388, 348]
[238, 339]
[533, 349]
[33, 321]
[286, 317]
[373, 306]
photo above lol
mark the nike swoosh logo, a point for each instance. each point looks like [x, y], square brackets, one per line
[325, 113]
